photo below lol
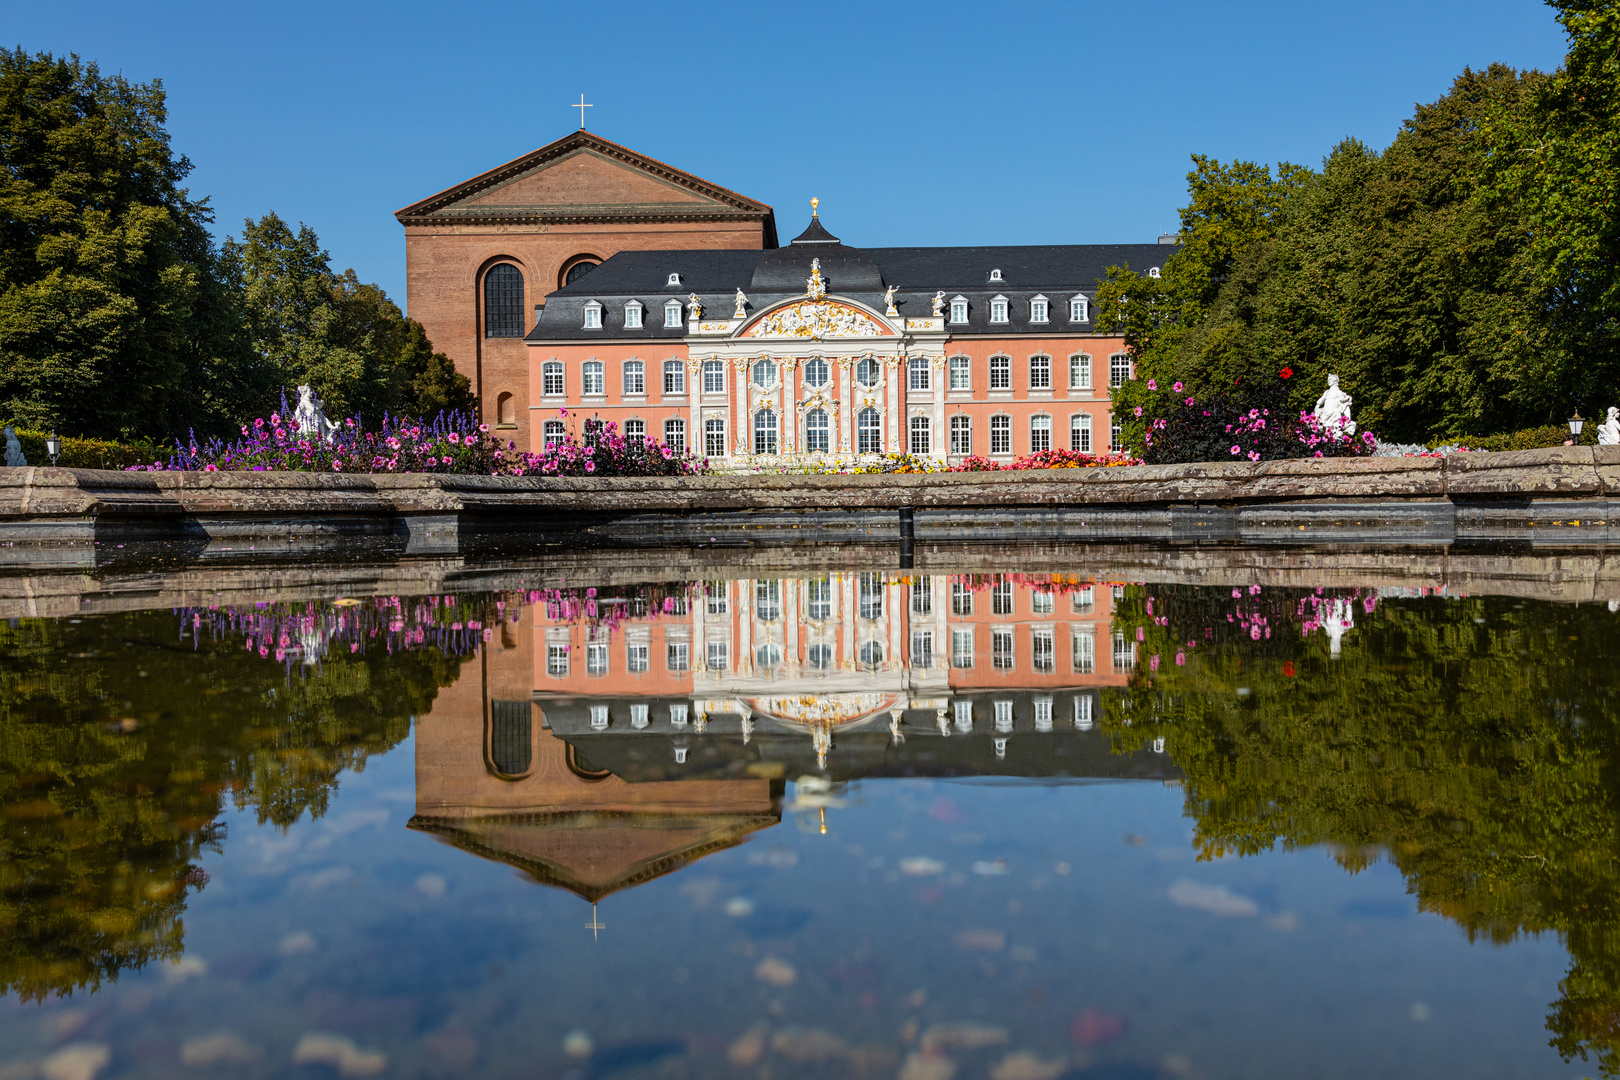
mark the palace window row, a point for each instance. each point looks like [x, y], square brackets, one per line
[1040, 308]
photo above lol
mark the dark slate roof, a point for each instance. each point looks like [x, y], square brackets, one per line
[1057, 271]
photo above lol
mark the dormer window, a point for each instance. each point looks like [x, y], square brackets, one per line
[674, 279]
[998, 309]
[959, 310]
[632, 315]
[1153, 271]
[593, 316]
[995, 275]
[1037, 309]
[1079, 309]
[672, 312]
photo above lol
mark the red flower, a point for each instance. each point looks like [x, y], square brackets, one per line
[1288, 668]
[1286, 373]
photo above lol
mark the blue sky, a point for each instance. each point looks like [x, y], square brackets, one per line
[940, 123]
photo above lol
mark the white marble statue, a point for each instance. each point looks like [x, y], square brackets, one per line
[1339, 615]
[888, 301]
[310, 416]
[939, 304]
[816, 287]
[1608, 432]
[14, 454]
[742, 305]
[696, 306]
[1333, 407]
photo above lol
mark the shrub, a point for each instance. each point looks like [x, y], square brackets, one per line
[1251, 421]
[87, 453]
[1049, 459]
[604, 452]
[1530, 438]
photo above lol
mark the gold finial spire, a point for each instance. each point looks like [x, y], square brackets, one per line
[814, 202]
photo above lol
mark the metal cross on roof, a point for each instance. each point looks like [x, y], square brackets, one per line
[595, 926]
[582, 106]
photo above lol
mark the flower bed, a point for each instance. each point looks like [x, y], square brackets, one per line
[1250, 422]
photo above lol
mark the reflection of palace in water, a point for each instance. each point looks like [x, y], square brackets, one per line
[607, 739]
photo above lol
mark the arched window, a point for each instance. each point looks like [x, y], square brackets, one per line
[765, 432]
[768, 656]
[866, 372]
[510, 751]
[765, 372]
[503, 301]
[506, 410]
[820, 657]
[871, 655]
[554, 433]
[816, 431]
[578, 270]
[815, 373]
[869, 431]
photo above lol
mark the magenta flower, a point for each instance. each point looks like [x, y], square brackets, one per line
[1237, 449]
[1152, 385]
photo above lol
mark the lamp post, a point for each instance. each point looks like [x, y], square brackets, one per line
[1576, 423]
[53, 446]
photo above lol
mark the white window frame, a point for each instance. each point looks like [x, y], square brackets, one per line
[633, 374]
[817, 368]
[767, 368]
[962, 653]
[959, 309]
[553, 432]
[919, 373]
[593, 373]
[677, 657]
[639, 431]
[961, 435]
[672, 312]
[593, 315]
[674, 279]
[551, 373]
[920, 433]
[717, 368]
[1001, 363]
[1080, 371]
[677, 384]
[675, 434]
[1042, 363]
[1080, 432]
[1003, 657]
[995, 275]
[1040, 431]
[1079, 309]
[1039, 309]
[1004, 429]
[632, 315]
[875, 368]
[962, 365]
[868, 436]
[817, 431]
[1116, 433]
[1120, 370]
[998, 309]
[714, 428]
[1083, 653]
[767, 431]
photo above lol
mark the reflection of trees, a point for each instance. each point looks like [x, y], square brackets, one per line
[1470, 741]
[118, 746]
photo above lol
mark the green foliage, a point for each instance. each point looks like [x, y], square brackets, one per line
[114, 771]
[1535, 438]
[92, 453]
[1469, 742]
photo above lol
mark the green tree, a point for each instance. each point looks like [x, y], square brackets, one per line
[114, 318]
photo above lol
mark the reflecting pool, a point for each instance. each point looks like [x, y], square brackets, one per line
[865, 823]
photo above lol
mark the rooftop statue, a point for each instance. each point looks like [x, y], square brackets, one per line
[939, 303]
[1333, 409]
[1608, 432]
[697, 306]
[888, 300]
[742, 303]
[14, 454]
[816, 287]
[310, 416]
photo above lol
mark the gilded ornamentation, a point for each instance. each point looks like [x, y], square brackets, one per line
[816, 320]
[816, 287]
[939, 304]
[888, 301]
[696, 306]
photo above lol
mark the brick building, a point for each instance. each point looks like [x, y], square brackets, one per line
[587, 277]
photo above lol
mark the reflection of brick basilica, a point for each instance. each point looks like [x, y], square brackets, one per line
[610, 738]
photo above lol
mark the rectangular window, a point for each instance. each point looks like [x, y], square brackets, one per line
[675, 435]
[922, 649]
[674, 377]
[1037, 311]
[672, 313]
[635, 377]
[1040, 373]
[678, 655]
[1082, 712]
[1124, 653]
[714, 438]
[998, 310]
[595, 381]
[719, 658]
[1116, 436]
[1080, 432]
[870, 588]
[638, 716]
[1080, 372]
[599, 717]
[632, 316]
[1001, 598]
[817, 432]
[963, 711]
[961, 598]
[1041, 652]
[1040, 434]
[962, 647]
[1004, 716]
[635, 430]
[596, 658]
[1078, 310]
[1119, 369]
[1043, 714]
[1001, 373]
[961, 373]
[557, 661]
[593, 317]
[1085, 654]
[959, 311]
[1001, 650]
[922, 441]
[768, 600]
[1041, 603]
[1083, 601]
[961, 434]
[818, 593]
[551, 380]
[922, 596]
[920, 370]
[1001, 434]
[714, 376]
[678, 714]
[636, 656]
[715, 593]
[554, 433]
[765, 432]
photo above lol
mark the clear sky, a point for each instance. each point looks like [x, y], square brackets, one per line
[937, 123]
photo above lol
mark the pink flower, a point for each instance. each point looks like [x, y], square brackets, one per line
[1152, 385]
[337, 466]
[1181, 659]
[454, 438]
[1254, 455]
[1237, 449]
[1138, 410]
[275, 418]
[1176, 387]
[484, 428]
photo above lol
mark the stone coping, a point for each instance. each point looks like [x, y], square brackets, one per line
[36, 493]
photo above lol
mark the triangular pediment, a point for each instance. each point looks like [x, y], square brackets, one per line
[581, 178]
